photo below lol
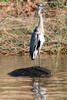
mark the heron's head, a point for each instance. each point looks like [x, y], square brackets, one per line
[40, 7]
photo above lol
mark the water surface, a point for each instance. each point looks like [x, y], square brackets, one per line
[27, 88]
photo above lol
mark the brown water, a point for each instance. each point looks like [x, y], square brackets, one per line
[26, 88]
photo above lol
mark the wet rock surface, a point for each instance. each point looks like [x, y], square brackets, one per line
[35, 71]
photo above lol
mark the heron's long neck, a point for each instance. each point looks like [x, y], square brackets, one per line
[40, 20]
[40, 25]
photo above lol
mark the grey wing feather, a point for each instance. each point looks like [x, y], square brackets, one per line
[33, 42]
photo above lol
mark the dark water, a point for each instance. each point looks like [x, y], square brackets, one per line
[26, 88]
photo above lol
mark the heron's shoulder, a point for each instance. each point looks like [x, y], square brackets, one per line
[36, 29]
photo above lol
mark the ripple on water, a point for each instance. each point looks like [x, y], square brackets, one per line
[26, 88]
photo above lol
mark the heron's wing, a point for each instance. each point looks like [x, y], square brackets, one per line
[35, 42]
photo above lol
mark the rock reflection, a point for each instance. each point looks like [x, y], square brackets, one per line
[38, 90]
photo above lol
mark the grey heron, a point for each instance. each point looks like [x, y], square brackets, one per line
[37, 38]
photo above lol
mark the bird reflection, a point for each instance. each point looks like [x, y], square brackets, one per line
[39, 91]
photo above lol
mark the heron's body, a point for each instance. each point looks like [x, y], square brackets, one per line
[36, 43]
[37, 38]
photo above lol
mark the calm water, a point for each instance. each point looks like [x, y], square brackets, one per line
[26, 88]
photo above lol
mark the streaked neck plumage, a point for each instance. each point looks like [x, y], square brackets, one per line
[40, 25]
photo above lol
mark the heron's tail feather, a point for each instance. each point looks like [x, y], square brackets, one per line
[34, 55]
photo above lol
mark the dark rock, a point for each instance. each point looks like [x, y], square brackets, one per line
[35, 71]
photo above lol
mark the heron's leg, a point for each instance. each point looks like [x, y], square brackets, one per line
[34, 62]
[39, 58]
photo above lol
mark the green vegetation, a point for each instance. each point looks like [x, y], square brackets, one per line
[4, 0]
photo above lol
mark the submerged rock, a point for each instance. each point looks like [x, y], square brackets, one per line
[35, 71]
